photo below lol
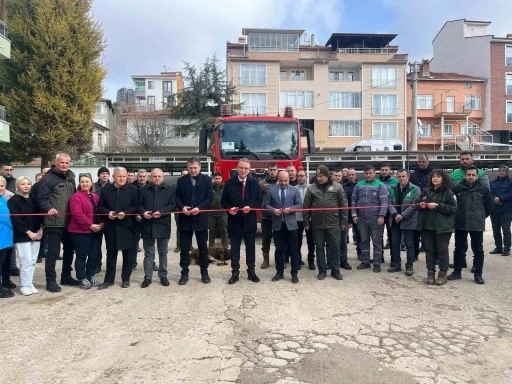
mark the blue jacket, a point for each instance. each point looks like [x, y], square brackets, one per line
[5, 225]
[293, 200]
[502, 188]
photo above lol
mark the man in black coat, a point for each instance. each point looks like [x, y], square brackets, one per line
[156, 202]
[241, 195]
[194, 192]
[140, 182]
[103, 179]
[119, 201]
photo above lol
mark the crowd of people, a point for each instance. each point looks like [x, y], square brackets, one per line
[423, 206]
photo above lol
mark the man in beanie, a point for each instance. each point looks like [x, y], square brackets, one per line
[501, 189]
[103, 179]
[326, 224]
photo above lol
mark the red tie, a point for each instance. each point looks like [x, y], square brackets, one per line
[243, 190]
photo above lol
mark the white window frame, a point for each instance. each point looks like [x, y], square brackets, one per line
[384, 111]
[508, 111]
[387, 123]
[341, 75]
[253, 80]
[167, 89]
[425, 102]
[347, 125]
[100, 140]
[300, 70]
[253, 108]
[474, 101]
[101, 108]
[341, 96]
[350, 76]
[508, 83]
[426, 128]
[508, 59]
[444, 131]
[290, 99]
[378, 82]
[281, 73]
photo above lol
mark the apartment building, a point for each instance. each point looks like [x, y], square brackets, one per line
[103, 123]
[155, 92]
[351, 89]
[125, 95]
[463, 46]
[450, 110]
[5, 54]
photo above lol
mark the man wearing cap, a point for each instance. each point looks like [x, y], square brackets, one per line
[103, 180]
[326, 224]
[501, 217]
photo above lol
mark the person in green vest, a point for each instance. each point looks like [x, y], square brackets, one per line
[386, 177]
[466, 160]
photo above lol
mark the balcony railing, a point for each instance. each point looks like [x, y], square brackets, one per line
[3, 30]
[253, 81]
[365, 51]
[3, 114]
[445, 108]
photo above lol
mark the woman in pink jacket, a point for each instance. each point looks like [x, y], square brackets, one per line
[85, 228]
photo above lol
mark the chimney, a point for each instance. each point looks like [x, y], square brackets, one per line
[425, 68]
[312, 40]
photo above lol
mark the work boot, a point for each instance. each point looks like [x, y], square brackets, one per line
[146, 283]
[68, 280]
[431, 278]
[265, 263]
[251, 275]
[234, 277]
[337, 275]
[53, 287]
[441, 278]
[506, 252]
[311, 266]
[278, 276]
[345, 265]
[396, 268]
[478, 279]
[455, 275]
[321, 275]
[184, 278]
[205, 278]
[409, 271]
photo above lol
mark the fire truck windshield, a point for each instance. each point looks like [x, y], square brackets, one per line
[259, 140]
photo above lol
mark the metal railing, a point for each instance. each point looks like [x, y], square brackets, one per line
[365, 51]
[3, 113]
[452, 108]
[4, 31]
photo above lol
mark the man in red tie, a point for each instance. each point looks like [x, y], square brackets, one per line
[241, 195]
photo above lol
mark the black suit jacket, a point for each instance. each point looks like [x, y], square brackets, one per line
[195, 196]
[157, 200]
[232, 197]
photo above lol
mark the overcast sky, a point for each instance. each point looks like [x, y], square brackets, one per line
[143, 36]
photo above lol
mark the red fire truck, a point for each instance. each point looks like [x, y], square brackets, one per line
[261, 139]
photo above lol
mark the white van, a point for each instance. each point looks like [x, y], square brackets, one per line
[376, 145]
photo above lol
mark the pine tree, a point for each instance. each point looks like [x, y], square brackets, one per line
[53, 79]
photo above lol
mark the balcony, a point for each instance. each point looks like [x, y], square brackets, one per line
[367, 51]
[5, 43]
[452, 109]
[140, 92]
[4, 126]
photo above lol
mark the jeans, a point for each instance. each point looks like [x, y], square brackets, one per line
[286, 239]
[461, 247]
[56, 236]
[186, 243]
[501, 222]
[396, 236]
[162, 246]
[110, 275]
[250, 250]
[357, 237]
[28, 252]
[87, 249]
[370, 229]
[266, 231]
[436, 249]
[309, 240]
[99, 257]
[332, 237]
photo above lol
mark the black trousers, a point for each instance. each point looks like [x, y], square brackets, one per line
[436, 249]
[3, 267]
[250, 250]
[87, 249]
[501, 222]
[416, 243]
[461, 247]
[110, 275]
[55, 237]
[309, 240]
[266, 231]
[357, 236]
[186, 243]
[285, 240]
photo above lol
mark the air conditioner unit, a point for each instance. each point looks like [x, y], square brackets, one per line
[242, 40]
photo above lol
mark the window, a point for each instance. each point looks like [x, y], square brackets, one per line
[273, 42]
[296, 99]
[339, 100]
[350, 76]
[425, 130]
[509, 111]
[468, 85]
[140, 85]
[384, 77]
[508, 89]
[253, 103]
[385, 105]
[151, 103]
[253, 75]
[472, 129]
[381, 130]
[101, 122]
[100, 108]
[472, 102]
[100, 143]
[508, 55]
[282, 75]
[424, 101]
[448, 130]
[167, 86]
[335, 75]
[151, 84]
[297, 74]
[345, 128]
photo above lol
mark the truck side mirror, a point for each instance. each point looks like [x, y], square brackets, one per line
[310, 136]
[203, 140]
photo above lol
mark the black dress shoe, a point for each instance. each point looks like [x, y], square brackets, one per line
[6, 293]
[321, 275]
[454, 276]
[496, 251]
[53, 287]
[277, 277]
[39, 259]
[363, 266]
[312, 266]
[68, 280]
[146, 283]
[346, 266]
[183, 279]
[125, 284]
[472, 269]
[336, 275]
[252, 277]
[105, 285]
[205, 278]
[506, 253]
[295, 279]
[478, 279]
[8, 284]
[14, 272]
[395, 269]
[234, 277]
[164, 281]
[376, 268]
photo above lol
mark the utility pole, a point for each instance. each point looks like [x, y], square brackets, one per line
[415, 67]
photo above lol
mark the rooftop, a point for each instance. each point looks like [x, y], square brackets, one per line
[246, 31]
[359, 40]
[446, 76]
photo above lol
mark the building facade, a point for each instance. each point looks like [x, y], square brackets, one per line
[463, 46]
[125, 95]
[104, 121]
[351, 89]
[451, 108]
[5, 54]
[156, 92]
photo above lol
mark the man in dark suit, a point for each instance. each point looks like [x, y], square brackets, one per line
[241, 195]
[119, 201]
[156, 202]
[283, 199]
[194, 192]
